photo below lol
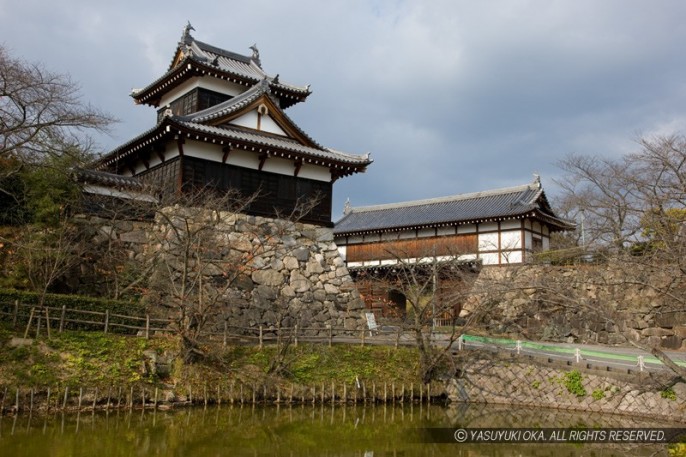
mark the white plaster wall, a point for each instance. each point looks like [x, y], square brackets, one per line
[442, 231]
[315, 172]
[488, 241]
[529, 240]
[536, 227]
[279, 165]
[511, 240]
[546, 243]
[203, 150]
[268, 125]
[154, 160]
[248, 120]
[372, 237]
[489, 259]
[406, 235]
[545, 230]
[343, 252]
[488, 226]
[356, 239]
[242, 158]
[511, 257]
[515, 224]
[389, 236]
[468, 228]
[423, 233]
[527, 224]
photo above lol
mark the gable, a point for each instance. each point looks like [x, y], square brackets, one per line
[257, 119]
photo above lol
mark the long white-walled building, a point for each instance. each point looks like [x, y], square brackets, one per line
[495, 227]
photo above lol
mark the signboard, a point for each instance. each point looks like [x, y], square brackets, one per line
[371, 321]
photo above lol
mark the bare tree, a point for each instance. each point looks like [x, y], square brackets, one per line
[603, 193]
[41, 112]
[634, 210]
[426, 290]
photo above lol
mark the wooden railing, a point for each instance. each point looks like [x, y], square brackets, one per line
[37, 319]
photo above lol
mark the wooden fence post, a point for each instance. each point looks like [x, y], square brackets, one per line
[16, 313]
[225, 330]
[147, 326]
[261, 338]
[26, 333]
[107, 320]
[397, 339]
[47, 321]
[363, 334]
[330, 335]
[38, 322]
[64, 312]
[296, 335]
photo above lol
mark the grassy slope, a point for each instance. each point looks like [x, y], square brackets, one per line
[91, 359]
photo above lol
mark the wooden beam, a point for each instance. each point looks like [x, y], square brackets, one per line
[144, 157]
[263, 159]
[297, 165]
[180, 141]
[226, 150]
[159, 150]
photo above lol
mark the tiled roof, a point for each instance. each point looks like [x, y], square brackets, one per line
[170, 124]
[208, 59]
[495, 204]
[107, 179]
[278, 142]
[239, 102]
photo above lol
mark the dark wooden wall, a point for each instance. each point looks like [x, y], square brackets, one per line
[276, 195]
[413, 248]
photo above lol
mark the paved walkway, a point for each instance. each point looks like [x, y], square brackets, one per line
[627, 357]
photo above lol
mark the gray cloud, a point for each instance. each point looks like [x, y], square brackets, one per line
[449, 96]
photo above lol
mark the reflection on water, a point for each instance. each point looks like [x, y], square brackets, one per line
[371, 431]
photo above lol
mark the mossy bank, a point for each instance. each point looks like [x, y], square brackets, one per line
[102, 370]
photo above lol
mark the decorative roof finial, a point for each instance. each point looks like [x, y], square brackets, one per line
[537, 180]
[256, 55]
[186, 35]
[347, 208]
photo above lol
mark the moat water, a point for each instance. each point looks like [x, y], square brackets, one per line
[303, 430]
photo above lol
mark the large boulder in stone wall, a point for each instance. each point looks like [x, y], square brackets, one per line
[298, 282]
[314, 266]
[671, 342]
[268, 277]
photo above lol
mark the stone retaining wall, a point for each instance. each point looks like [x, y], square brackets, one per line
[605, 304]
[494, 381]
[289, 273]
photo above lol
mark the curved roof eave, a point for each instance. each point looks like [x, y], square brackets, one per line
[171, 125]
[176, 75]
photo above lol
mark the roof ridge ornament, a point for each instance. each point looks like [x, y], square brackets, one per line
[255, 55]
[537, 180]
[186, 35]
[347, 208]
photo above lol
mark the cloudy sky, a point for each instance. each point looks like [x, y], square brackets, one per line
[449, 96]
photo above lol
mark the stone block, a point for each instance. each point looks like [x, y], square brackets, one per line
[679, 331]
[268, 277]
[302, 254]
[670, 319]
[671, 342]
[656, 331]
[136, 236]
